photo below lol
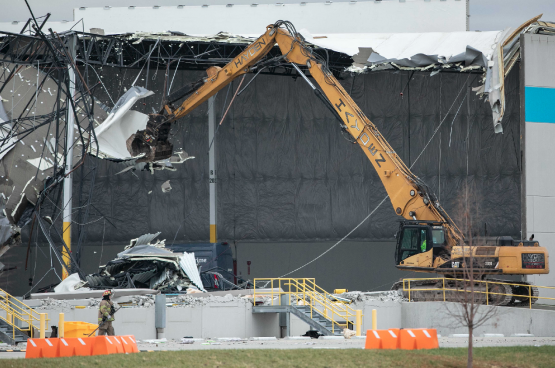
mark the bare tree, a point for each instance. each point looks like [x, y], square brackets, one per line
[472, 293]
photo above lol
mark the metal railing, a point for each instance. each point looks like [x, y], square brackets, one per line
[305, 292]
[20, 316]
[484, 288]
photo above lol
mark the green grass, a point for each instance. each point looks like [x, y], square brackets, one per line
[498, 357]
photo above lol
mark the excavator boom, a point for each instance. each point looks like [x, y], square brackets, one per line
[409, 195]
[429, 240]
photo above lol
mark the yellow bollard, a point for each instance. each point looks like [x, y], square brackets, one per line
[61, 325]
[42, 325]
[358, 322]
[374, 319]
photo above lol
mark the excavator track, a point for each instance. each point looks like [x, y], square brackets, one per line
[521, 293]
[498, 294]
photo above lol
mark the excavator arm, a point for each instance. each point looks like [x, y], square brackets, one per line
[409, 196]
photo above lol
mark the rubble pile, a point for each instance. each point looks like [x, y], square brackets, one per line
[150, 266]
[56, 304]
[381, 296]
[187, 301]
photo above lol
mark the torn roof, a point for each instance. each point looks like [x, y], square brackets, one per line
[435, 51]
[221, 37]
[405, 45]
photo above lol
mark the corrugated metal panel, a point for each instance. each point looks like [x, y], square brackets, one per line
[144, 276]
[189, 266]
[146, 238]
[97, 281]
[156, 281]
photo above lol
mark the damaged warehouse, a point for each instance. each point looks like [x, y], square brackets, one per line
[287, 189]
[210, 187]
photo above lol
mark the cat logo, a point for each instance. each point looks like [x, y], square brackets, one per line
[455, 264]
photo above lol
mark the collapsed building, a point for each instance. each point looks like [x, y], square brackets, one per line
[266, 193]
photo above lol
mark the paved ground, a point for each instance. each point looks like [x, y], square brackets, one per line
[446, 342]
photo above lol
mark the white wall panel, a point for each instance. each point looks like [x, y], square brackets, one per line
[318, 18]
[540, 159]
[539, 132]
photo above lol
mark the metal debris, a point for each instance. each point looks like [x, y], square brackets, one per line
[146, 265]
[166, 187]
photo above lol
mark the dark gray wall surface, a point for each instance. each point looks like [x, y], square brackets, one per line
[286, 173]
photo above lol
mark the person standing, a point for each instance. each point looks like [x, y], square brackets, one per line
[106, 315]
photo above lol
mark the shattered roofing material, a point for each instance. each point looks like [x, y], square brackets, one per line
[405, 45]
[146, 250]
[222, 37]
[493, 53]
[188, 264]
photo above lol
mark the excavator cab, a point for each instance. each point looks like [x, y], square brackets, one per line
[417, 237]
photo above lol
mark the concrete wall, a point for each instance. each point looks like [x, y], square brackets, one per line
[506, 320]
[538, 128]
[389, 314]
[235, 319]
[230, 319]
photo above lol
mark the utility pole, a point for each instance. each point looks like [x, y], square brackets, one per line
[212, 167]
[68, 180]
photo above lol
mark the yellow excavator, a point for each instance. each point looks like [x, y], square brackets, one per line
[428, 240]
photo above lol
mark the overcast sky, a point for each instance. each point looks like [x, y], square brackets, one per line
[485, 15]
[493, 15]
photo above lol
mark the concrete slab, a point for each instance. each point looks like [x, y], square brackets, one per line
[331, 338]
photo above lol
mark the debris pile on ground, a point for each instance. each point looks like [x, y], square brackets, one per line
[381, 296]
[56, 304]
[187, 301]
[348, 333]
[146, 264]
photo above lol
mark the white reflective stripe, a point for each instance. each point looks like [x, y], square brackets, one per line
[64, 341]
[376, 334]
[392, 333]
[81, 341]
[131, 338]
[33, 343]
[48, 342]
[411, 333]
[115, 338]
[426, 333]
[110, 341]
[125, 342]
